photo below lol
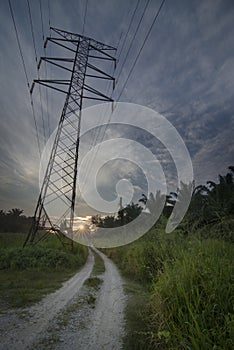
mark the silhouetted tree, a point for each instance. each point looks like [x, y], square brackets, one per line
[124, 216]
[212, 204]
[14, 221]
[129, 213]
[16, 212]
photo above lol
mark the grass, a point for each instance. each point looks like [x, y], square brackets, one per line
[193, 299]
[65, 317]
[48, 343]
[26, 275]
[99, 266]
[136, 328]
[93, 282]
[90, 299]
[187, 301]
[23, 288]
[10, 239]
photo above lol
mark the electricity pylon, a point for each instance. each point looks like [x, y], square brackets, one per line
[58, 189]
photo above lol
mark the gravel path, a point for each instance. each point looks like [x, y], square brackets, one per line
[106, 328]
[76, 316]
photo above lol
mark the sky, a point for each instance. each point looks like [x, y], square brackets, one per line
[185, 72]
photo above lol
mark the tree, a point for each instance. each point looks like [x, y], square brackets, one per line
[154, 202]
[124, 216]
[129, 213]
[16, 212]
[212, 206]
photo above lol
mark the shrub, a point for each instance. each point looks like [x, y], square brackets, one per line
[41, 257]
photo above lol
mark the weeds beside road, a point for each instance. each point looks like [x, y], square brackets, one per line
[181, 291]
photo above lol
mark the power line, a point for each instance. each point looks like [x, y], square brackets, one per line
[35, 123]
[131, 70]
[108, 91]
[134, 36]
[42, 113]
[47, 93]
[42, 24]
[95, 139]
[129, 26]
[35, 51]
[38, 75]
[120, 37]
[18, 42]
[142, 46]
[26, 75]
[147, 35]
[47, 101]
[85, 13]
[32, 31]
[49, 14]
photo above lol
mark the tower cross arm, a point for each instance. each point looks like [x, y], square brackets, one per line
[73, 36]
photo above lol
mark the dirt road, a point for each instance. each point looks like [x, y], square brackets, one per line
[76, 316]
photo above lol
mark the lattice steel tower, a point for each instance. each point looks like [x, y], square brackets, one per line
[58, 188]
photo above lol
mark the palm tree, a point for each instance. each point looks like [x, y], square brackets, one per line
[212, 207]
[219, 198]
[152, 202]
[16, 212]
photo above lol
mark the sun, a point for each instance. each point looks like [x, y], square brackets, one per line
[81, 227]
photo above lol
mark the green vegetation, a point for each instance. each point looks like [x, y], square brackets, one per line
[138, 298]
[93, 282]
[192, 300]
[181, 285]
[124, 216]
[183, 292]
[26, 275]
[99, 266]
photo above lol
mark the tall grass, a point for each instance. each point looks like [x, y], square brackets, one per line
[193, 299]
[190, 283]
[144, 259]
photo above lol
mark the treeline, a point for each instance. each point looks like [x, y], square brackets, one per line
[211, 206]
[123, 217]
[14, 221]
[131, 211]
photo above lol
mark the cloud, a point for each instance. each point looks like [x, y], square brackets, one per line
[184, 72]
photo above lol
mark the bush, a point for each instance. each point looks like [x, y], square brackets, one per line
[41, 257]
